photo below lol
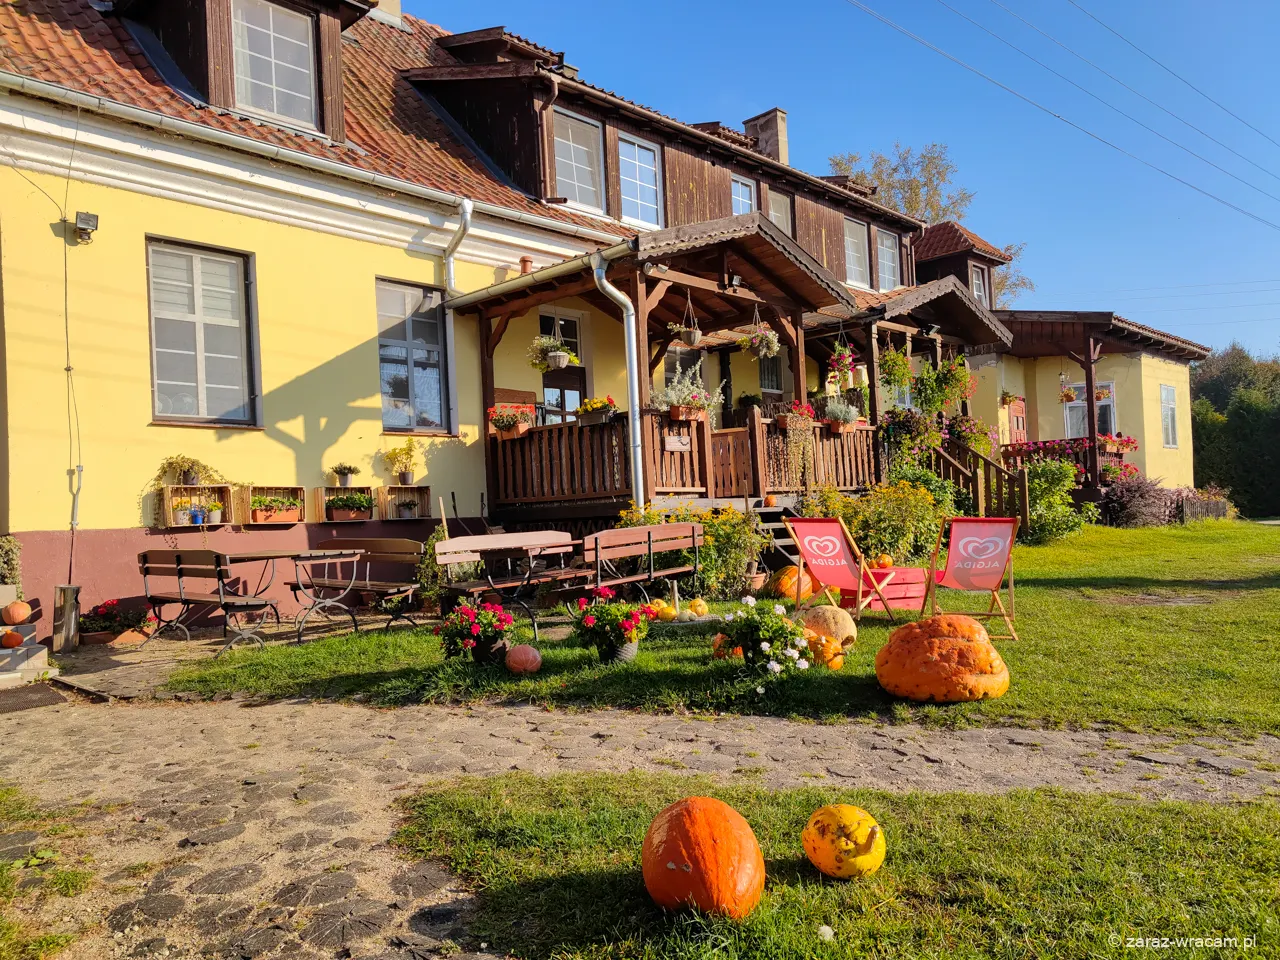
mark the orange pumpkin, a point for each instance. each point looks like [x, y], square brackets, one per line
[783, 584]
[700, 852]
[523, 658]
[17, 612]
[720, 647]
[10, 639]
[884, 561]
[944, 659]
[770, 500]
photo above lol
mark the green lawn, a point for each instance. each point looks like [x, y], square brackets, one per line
[1171, 628]
[1030, 874]
[18, 939]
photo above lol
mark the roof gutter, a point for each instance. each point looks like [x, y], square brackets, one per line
[464, 227]
[555, 271]
[599, 269]
[44, 90]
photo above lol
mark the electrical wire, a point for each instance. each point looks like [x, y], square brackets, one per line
[1171, 73]
[1057, 116]
[1106, 103]
[1176, 296]
[1137, 93]
[1188, 286]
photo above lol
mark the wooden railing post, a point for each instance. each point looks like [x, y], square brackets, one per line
[1024, 499]
[705, 463]
[649, 434]
[757, 450]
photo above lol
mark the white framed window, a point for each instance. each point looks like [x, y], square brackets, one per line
[771, 374]
[744, 195]
[887, 260]
[640, 172]
[1077, 412]
[978, 283]
[680, 360]
[857, 269]
[275, 61]
[413, 358]
[1169, 415]
[579, 161]
[570, 328]
[780, 211]
[200, 363]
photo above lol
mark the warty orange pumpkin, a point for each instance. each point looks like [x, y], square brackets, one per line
[700, 852]
[720, 647]
[944, 659]
[783, 584]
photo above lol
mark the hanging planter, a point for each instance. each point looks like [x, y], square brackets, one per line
[1068, 395]
[761, 342]
[1102, 393]
[688, 331]
[548, 353]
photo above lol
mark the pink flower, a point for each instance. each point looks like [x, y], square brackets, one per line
[588, 621]
[582, 603]
[475, 630]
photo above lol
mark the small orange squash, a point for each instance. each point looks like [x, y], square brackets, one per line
[884, 561]
[720, 647]
[700, 852]
[522, 658]
[17, 612]
[10, 639]
[783, 584]
[770, 500]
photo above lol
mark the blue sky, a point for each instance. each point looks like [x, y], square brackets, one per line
[1102, 231]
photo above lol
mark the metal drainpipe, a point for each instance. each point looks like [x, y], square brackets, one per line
[465, 210]
[598, 267]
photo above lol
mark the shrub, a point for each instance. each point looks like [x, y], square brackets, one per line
[1138, 502]
[951, 500]
[733, 540]
[1053, 514]
[11, 562]
[898, 518]
[1187, 500]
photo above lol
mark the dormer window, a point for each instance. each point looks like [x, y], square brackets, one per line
[579, 166]
[744, 195]
[887, 259]
[978, 283]
[275, 62]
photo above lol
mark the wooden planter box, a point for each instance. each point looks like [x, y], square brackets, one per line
[322, 494]
[683, 413]
[270, 515]
[836, 426]
[513, 433]
[173, 516]
[598, 416]
[264, 516]
[389, 498]
[340, 515]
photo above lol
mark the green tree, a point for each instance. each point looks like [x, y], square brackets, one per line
[1219, 376]
[921, 185]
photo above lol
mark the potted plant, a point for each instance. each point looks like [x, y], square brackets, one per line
[480, 628]
[687, 397]
[182, 511]
[549, 353]
[107, 622]
[800, 417]
[407, 509]
[749, 400]
[511, 420]
[213, 511]
[760, 343]
[895, 370]
[1007, 397]
[349, 506]
[841, 368]
[275, 509]
[841, 415]
[399, 460]
[197, 514]
[1116, 443]
[772, 645]
[615, 629]
[972, 432]
[596, 410]
[1068, 395]
[344, 472]
[688, 331]
[1102, 393]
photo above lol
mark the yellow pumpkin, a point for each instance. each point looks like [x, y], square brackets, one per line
[832, 622]
[666, 613]
[698, 606]
[658, 604]
[844, 841]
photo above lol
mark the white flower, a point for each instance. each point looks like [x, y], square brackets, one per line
[775, 667]
[802, 664]
[779, 609]
[793, 654]
[826, 933]
[765, 646]
[728, 618]
[749, 601]
[760, 690]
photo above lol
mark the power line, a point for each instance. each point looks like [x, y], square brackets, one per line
[1171, 73]
[1174, 296]
[1186, 286]
[1215, 323]
[1214, 307]
[1106, 103]
[1075, 126]
[1136, 93]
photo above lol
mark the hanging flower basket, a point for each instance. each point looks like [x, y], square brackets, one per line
[688, 330]
[558, 359]
[761, 342]
[549, 353]
[1068, 395]
[1101, 394]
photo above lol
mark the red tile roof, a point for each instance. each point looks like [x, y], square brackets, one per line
[390, 129]
[948, 237]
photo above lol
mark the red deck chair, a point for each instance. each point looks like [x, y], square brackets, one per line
[826, 547]
[979, 558]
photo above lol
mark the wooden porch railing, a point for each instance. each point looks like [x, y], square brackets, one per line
[845, 461]
[562, 461]
[996, 491]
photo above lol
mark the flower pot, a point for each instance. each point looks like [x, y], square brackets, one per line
[784, 421]
[1110, 447]
[681, 412]
[756, 582]
[97, 638]
[513, 433]
[344, 479]
[622, 653]
[190, 478]
[597, 416]
[340, 515]
[214, 516]
[182, 518]
[490, 651]
[406, 478]
[838, 426]
[407, 513]
[556, 360]
[140, 635]
[691, 338]
[197, 518]
[272, 515]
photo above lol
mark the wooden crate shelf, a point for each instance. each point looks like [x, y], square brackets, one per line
[245, 507]
[198, 495]
[324, 493]
[390, 496]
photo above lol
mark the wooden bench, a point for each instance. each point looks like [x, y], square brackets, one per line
[646, 544]
[401, 583]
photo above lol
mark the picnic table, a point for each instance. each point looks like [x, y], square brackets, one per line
[305, 584]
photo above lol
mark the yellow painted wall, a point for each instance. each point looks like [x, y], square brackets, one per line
[1172, 466]
[745, 371]
[317, 349]
[603, 352]
[994, 378]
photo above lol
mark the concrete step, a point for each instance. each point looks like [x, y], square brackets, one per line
[27, 662]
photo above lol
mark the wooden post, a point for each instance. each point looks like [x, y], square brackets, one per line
[873, 395]
[639, 291]
[486, 401]
[651, 454]
[758, 450]
[1091, 406]
[799, 372]
[705, 465]
[726, 374]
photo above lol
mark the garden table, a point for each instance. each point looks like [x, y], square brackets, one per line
[303, 561]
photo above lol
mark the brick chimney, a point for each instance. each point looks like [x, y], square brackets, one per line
[388, 10]
[770, 131]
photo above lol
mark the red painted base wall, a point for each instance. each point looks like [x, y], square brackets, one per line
[106, 561]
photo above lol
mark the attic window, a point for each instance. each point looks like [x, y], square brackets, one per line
[579, 152]
[275, 61]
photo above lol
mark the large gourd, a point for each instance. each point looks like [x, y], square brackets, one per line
[944, 659]
[844, 841]
[700, 852]
[783, 584]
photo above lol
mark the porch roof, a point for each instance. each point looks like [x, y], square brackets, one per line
[1051, 333]
[725, 267]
